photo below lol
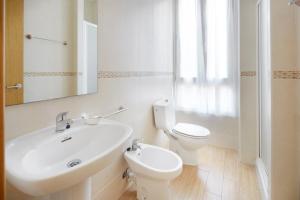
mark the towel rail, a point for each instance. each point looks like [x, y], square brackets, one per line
[29, 37]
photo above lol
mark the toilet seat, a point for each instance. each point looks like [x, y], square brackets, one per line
[191, 131]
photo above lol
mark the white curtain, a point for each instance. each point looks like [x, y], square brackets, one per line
[207, 57]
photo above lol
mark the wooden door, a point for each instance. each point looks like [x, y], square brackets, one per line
[2, 172]
[14, 39]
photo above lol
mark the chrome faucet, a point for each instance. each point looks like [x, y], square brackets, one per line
[135, 145]
[62, 123]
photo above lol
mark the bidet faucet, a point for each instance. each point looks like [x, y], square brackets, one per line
[135, 146]
[62, 123]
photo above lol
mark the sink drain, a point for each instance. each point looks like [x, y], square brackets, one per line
[73, 163]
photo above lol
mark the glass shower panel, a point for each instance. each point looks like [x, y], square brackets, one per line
[264, 86]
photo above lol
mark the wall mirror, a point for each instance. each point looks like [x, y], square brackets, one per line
[51, 49]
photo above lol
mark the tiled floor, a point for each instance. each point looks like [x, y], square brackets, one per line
[219, 176]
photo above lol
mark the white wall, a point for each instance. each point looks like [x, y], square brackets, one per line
[297, 15]
[90, 11]
[148, 23]
[134, 36]
[248, 87]
[284, 140]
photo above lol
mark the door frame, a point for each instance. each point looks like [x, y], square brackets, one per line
[2, 95]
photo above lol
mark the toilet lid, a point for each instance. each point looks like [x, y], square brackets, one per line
[191, 130]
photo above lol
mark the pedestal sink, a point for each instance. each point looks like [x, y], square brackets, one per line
[45, 163]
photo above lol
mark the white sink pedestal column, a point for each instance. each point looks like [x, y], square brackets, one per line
[81, 191]
[152, 189]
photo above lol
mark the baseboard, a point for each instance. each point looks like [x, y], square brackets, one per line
[247, 161]
[262, 179]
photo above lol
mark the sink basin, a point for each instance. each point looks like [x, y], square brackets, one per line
[45, 162]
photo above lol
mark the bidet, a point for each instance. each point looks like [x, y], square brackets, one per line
[153, 168]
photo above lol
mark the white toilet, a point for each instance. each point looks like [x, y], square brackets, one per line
[185, 138]
[153, 168]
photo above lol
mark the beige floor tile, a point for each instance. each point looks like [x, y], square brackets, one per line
[214, 182]
[128, 196]
[210, 196]
[230, 189]
[231, 164]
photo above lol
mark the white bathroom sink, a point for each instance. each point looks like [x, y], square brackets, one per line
[37, 163]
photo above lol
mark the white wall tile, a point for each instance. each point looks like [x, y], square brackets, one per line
[248, 120]
[248, 91]
[136, 35]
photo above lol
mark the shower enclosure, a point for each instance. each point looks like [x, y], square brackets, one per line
[264, 92]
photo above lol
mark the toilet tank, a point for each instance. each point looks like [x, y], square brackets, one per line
[164, 114]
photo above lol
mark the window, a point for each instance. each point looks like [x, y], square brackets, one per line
[206, 80]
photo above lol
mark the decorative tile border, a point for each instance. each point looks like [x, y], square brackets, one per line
[101, 74]
[248, 73]
[289, 74]
[51, 74]
[128, 74]
[277, 74]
